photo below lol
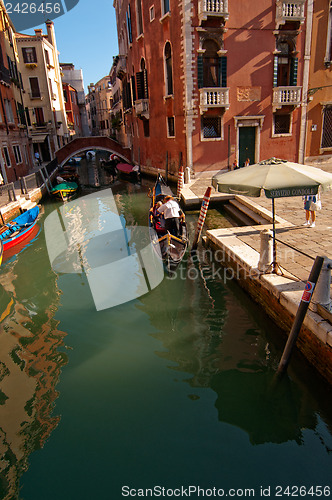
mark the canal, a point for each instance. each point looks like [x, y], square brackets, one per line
[173, 389]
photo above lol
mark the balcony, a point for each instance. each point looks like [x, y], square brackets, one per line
[290, 12]
[212, 8]
[214, 97]
[286, 96]
[142, 108]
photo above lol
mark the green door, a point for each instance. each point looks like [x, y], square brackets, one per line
[247, 145]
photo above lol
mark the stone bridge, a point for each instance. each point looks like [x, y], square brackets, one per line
[77, 146]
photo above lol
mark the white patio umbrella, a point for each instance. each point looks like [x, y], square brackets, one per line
[277, 179]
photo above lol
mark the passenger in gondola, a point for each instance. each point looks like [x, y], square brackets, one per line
[158, 218]
[172, 214]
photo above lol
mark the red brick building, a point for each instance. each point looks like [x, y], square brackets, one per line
[208, 82]
[15, 157]
[319, 103]
[72, 110]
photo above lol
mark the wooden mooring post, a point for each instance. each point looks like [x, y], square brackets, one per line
[180, 182]
[300, 315]
[201, 218]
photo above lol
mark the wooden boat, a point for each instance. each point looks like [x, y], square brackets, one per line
[19, 228]
[65, 190]
[75, 160]
[132, 171]
[170, 248]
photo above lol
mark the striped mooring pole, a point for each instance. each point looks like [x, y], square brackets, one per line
[180, 182]
[201, 218]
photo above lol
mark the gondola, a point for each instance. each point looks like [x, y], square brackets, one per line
[171, 249]
[64, 190]
[19, 228]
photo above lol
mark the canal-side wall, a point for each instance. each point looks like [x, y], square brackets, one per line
[15, 208]
[278, 295]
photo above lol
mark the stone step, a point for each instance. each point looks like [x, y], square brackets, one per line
[250, 214]
[238, 215]
[26, 205]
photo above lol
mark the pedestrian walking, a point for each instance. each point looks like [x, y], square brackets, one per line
[37, 157]
[312, 203]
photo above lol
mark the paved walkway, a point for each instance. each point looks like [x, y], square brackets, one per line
[310, 241]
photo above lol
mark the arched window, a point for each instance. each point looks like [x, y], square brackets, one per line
[168, 69]
[210, 64]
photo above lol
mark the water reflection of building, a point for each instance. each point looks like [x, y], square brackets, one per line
[30, 365]
[215, 341]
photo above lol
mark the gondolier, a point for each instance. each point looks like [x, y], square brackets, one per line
[172, 214]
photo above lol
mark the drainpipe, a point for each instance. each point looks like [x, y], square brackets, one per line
[304, 104]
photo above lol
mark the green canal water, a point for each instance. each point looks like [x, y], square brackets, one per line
[174, 389]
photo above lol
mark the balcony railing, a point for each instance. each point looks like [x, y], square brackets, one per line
[213, 97]
[290, 11]
[212, 8]
[142, 108]
[286, 96]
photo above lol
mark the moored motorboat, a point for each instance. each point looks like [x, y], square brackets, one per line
[64, 190]
[169, 247]
[19, 228]
[1, 251]
[131, 171]
[75, 160]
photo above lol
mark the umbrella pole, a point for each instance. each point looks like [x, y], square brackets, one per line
[274, 263]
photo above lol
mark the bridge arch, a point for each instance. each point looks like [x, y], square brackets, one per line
[81, 144]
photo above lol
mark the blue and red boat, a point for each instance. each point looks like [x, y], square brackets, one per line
[19, 228]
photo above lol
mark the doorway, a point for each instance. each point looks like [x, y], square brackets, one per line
[247, 144]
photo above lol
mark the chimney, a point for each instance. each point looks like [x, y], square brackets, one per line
[39, 33]
[50, 32]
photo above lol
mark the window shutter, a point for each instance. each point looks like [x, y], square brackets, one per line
[145, 83]
[223, 71]
[275, 71]
[128, 18]
[139, 85]
[133, 88]
[200, 71]
[294, 67]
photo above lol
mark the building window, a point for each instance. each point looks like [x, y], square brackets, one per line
[212, 69]
[211, 127]
[152, 13]
[327, 127]
[129, 30]
[34, 88]
[285, 66]
[282, 123]
[164, 7]
[17, 154]
[29, 55]
[146, 128]
[47, 57]
[39, 114]
[6, 156]
[170, 126]
[168, 69]
[139, 17]
[9, 111]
